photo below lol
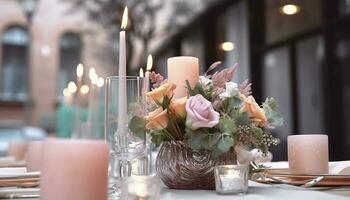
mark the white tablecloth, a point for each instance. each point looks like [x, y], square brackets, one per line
[259, 192]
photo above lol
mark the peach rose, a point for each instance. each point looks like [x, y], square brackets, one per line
[167, 89]
[157, 119]
[179, 106]
[256, 112]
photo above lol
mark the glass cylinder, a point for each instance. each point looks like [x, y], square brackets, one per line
[231, 179]
[124, 126]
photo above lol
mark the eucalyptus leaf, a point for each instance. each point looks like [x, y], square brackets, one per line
[227, 125]
[243, 118]
[225, 144]
[157, 137]
[195, 140]
[137, 126]
[214, 139]
[273, 117]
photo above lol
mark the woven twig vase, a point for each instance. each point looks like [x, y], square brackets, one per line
[179, 167]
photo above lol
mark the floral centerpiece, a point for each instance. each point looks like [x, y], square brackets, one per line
[218, 123]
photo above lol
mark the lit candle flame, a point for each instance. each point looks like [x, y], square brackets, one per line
[125, 19]
[93, 76]
[149, 62]
[84, 89]
[100, 82]
[141, 72]
[66, 92]
[92, 73]
[72, 87]
[80, 70]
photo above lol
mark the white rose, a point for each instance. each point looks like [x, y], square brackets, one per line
[205, 81]
[231, 90]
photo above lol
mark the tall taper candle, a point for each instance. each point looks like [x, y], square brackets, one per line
[148, 71]
[122, 98]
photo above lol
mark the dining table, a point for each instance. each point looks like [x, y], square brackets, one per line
[258, 191]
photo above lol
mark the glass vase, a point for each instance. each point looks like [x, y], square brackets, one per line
[124, 103]
[180, 167]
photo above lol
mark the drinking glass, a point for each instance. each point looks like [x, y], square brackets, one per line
[124, 126]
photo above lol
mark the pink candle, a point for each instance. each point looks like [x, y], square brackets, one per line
[17, 150]
[74, 170]
[181, 69]
[34, 155]
[308, 154]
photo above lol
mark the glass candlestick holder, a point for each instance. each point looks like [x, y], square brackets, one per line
[231, 179]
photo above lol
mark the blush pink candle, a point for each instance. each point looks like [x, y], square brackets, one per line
[34, 155]
[74, 170]
[308, 154]
[17, 150]
[180, 69]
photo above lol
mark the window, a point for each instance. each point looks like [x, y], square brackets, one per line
[281, 24]
[70, 54]
[14, 67]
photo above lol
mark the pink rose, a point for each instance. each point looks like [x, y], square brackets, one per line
[200, 113]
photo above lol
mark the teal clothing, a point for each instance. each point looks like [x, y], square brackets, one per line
[66, 120]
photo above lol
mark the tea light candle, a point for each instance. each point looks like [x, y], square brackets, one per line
[74, 169]
[34, 155]
[181, 69]
[143, 187]
[308, 154]
[231, 179]
[17, 150]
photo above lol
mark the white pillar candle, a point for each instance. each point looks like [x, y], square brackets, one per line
[34, 156]
[308, 154]
[74, 169]
[122, 95]
[181, 69]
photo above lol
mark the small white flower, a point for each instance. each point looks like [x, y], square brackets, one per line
[231, 90]
[205, 81]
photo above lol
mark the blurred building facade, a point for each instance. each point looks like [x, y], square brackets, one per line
[39, 57]
[296, 51]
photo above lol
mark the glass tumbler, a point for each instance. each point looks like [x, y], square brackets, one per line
[231, 179]
[124, 126]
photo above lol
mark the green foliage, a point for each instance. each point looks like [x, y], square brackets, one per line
[227, 125]
[166, 102]
[158, 137]
[270, 108]
[137, 126]
[225, 143]
[241, 118]
[199, 89]
[232, 104]
[214, 140]
[195, 140]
